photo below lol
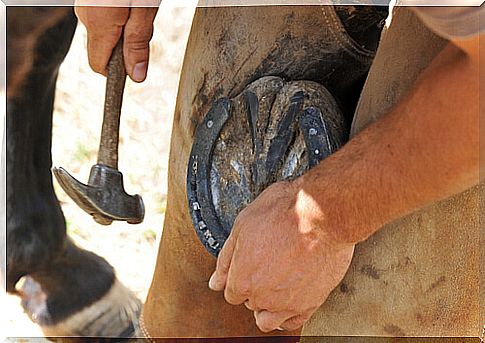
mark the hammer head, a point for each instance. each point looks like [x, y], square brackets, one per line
[104, 196]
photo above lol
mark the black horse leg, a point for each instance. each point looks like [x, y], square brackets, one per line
[36, 230]
[68, 290]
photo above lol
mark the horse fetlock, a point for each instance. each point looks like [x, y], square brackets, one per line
[79, 295]
[36, 235]
[114, 315]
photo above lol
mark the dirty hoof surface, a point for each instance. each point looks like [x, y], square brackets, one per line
[114, 315]
[273, 130]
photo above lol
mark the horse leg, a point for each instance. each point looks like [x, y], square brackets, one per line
[68, 290]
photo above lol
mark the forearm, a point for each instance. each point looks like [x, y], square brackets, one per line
[424, 150]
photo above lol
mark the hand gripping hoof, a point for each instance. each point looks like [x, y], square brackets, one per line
[274, 130]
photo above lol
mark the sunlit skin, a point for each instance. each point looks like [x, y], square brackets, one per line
[277, 262]
[293, 245]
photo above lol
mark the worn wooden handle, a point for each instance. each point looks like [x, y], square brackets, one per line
[115, 85]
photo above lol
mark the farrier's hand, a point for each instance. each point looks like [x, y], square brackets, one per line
[277, 262]
[105, 25]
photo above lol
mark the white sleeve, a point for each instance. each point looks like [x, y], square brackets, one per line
[454, 22]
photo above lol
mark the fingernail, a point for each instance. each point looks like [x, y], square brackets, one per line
[279, 328]
[212, 282]
[140, 71]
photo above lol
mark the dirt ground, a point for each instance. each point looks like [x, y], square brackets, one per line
[144, 145]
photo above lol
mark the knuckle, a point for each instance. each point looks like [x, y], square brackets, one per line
[136, 45]
[230, 298]
[250, 305]
[139, 35]
[103, 20]
[90, 22]
[243, 288]
[232, 301]
[270, 303]
[99, 42]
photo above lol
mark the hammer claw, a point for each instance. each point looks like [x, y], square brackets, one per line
[104, 196]
[74, 189]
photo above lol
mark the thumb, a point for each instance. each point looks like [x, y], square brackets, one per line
[136, 47]
[218, 279]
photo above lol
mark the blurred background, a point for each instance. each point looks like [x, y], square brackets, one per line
[146, 122]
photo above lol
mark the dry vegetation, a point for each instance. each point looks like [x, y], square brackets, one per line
[145, 133]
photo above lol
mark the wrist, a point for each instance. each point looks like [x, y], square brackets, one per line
[336, 203]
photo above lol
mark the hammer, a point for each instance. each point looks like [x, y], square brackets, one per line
[104, 196]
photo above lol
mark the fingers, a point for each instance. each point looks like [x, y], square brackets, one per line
[268, 321]
[136, 46]
[251, 305]
[218, 279]
[104, 26]
[237, 293]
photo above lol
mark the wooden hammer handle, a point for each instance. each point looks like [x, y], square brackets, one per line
[115, 84]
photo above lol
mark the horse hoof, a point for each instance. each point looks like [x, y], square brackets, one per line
[114, 315]
[274, 130]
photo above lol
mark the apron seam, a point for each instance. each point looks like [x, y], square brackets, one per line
[341, 37]
[144, 330]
